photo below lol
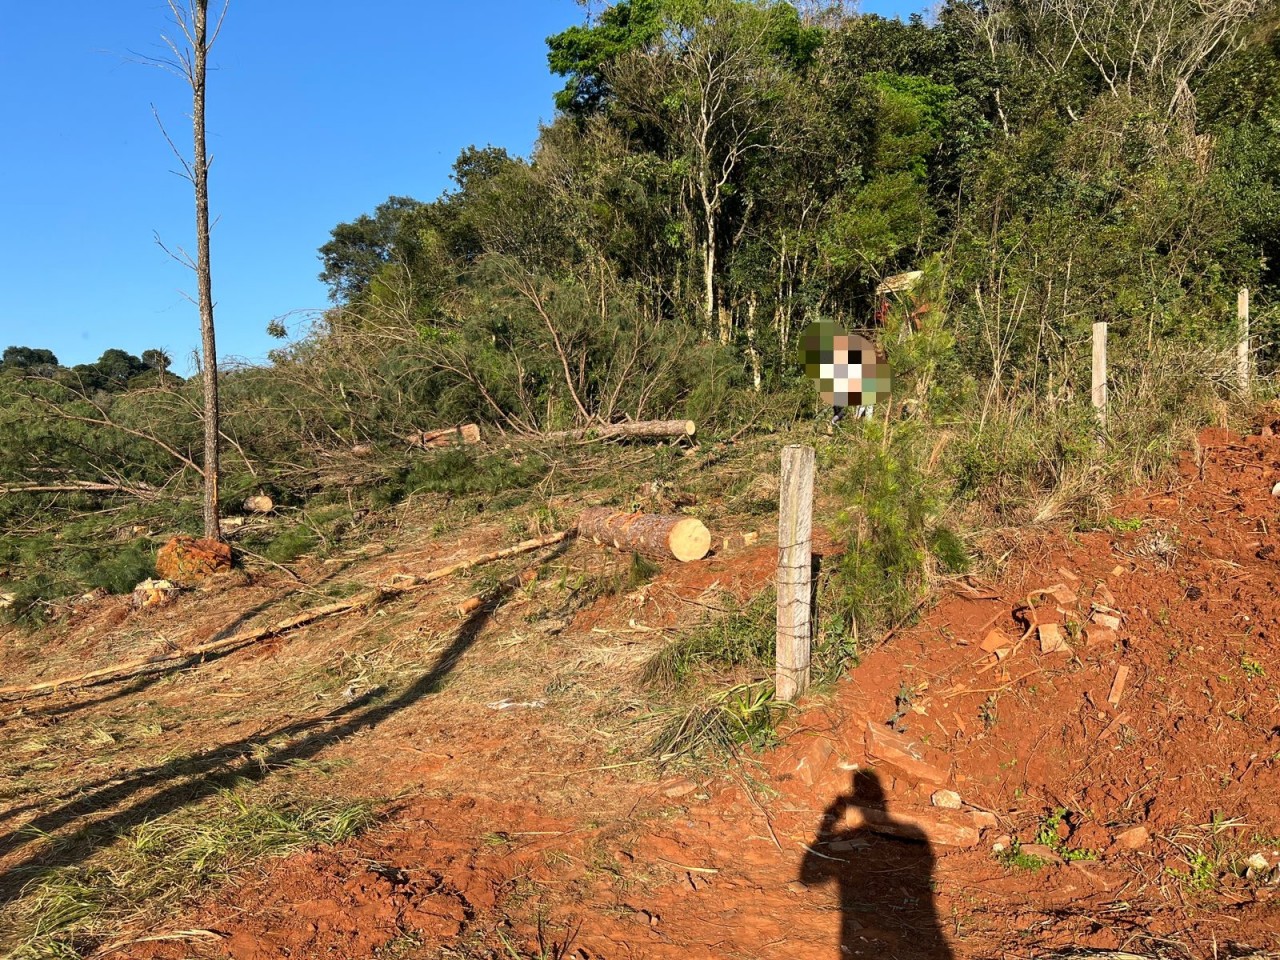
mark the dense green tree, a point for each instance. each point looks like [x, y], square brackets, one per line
[582, 53]
[28, 358]
[360, 249]
[157, 359]
[117, 367]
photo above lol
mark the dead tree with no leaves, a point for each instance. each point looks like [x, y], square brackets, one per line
[190, 56]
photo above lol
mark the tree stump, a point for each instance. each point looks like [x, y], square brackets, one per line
[188, 560]
[153, 593]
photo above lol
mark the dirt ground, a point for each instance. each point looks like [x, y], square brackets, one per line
[1140, 814]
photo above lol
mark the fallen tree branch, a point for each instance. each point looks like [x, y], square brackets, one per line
[403, 585]
[104, 420]
[80, 486]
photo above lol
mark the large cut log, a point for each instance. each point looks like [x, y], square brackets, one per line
[652, 535]
[640, 428]
[467, 433]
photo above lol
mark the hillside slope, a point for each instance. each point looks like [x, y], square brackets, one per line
[1149, 824]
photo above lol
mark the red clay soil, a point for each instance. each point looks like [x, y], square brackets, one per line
[775, 861]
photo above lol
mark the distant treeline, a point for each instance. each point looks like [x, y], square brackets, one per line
[733, 169]
[116, 370]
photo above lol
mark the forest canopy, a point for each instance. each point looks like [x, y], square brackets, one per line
[721, 173]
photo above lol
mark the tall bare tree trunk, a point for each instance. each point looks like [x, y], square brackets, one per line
[709, 275]
[757, 377]
[209, 366]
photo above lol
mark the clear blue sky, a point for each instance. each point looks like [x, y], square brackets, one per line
[318, 112]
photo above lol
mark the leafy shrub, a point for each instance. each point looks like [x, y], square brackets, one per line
[291, 544]
[117, 570]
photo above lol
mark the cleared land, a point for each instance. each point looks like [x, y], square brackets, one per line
[532, 778]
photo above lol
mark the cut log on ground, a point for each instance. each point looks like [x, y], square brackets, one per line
[467, 433]
[650, 535]
[613, 431]
[402, 585]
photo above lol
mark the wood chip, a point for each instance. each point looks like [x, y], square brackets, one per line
[1051, 640]
[1117, 685]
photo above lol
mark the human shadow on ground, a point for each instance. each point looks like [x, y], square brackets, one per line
[884, 883]
[189, 779]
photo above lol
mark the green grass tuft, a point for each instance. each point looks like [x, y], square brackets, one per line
[160, 864]
[746, 637]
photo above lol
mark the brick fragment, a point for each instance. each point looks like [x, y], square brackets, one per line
[901, 755]
[939, 827]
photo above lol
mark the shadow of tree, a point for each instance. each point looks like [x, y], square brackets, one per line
[155, 675]
[197, 777]
[161, 671]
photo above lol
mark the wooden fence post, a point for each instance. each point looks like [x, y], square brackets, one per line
[1100, 371]
[1242, 347]
[795, 572]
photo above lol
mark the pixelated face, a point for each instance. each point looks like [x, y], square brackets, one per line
[848, 370]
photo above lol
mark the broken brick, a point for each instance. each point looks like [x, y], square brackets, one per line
[1106, 620]
[1051, 640]
[995, 640]
[1095, 636]
[939, 827]
[1117, 685]
[1062, 593]
[901, 755]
